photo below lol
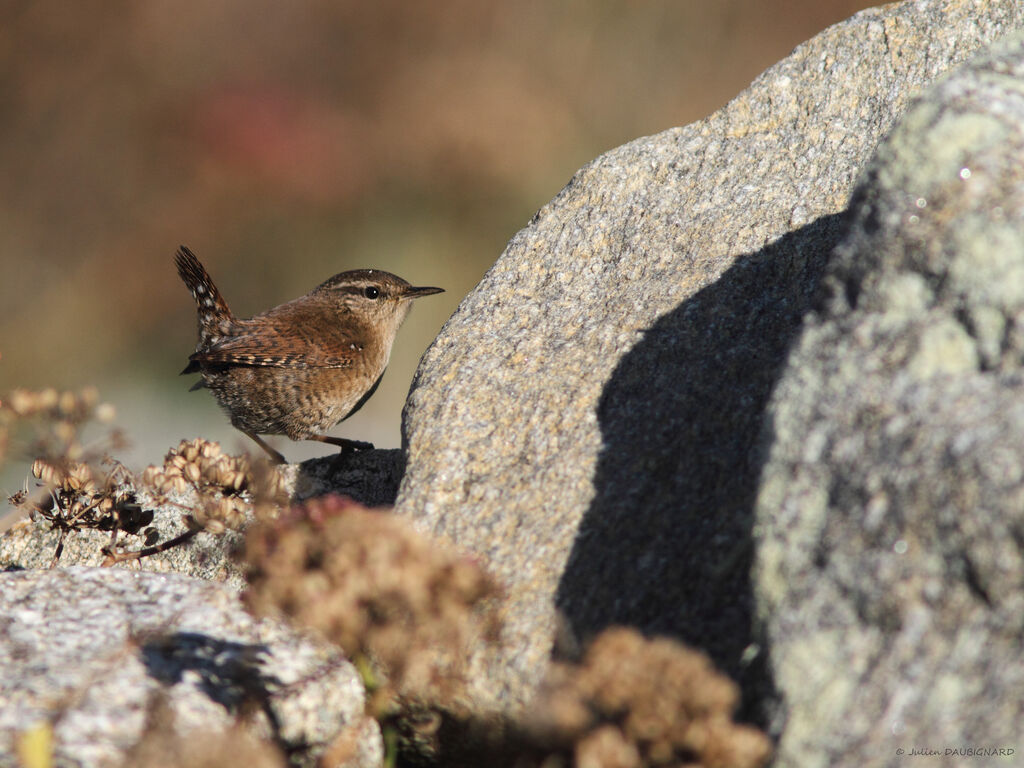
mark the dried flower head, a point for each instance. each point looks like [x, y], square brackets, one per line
[78, 496]
[58, 418]
[79, 486]
[639, 702]
[226, 486]
[380, 590]
[164, 746]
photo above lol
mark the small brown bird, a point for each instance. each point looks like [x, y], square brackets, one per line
[299, 368]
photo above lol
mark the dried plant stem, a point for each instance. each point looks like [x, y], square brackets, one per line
[59, 548]
[112, 557]
[84, 511]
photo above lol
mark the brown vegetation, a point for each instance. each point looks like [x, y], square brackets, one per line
[406, 609]
[635, 702]
[383, 592]
[226, 486]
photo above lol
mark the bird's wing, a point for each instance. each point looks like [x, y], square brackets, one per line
[261, 358]
[275, 349]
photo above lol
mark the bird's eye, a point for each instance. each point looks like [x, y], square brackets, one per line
[371, 292]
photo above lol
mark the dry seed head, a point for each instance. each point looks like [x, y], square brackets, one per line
[65, 432]
[89, 396]
[606, 747]
[656, 697]
[214, 526]
[163, 746]
[67, 404]
[215, 474]
[216, 515]
[234, 509]
[191, 472]
[47, 472]
[216, 461]
[373, 585]
[225, 507]
[47, 399]
[81, 473]
[24, 402]
[21, 402]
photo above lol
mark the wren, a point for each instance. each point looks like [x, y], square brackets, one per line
[302, 367]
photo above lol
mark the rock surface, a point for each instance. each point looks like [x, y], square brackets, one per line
[369, 477]
[890, 522]
[590, 423]
[588, 419]
[32, 543]
[90, 651]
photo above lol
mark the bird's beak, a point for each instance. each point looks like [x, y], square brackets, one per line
[414, 292]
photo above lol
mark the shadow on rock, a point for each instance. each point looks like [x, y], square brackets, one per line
[666, 545]
[369, 477]
[228, 672]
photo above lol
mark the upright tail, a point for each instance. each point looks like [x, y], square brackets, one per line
[214, 316]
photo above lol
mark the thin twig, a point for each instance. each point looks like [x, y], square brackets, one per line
[60, 548]
[89, 508]
[119, 557]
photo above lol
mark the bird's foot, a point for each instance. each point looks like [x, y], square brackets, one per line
[346, 445]
[276, 457]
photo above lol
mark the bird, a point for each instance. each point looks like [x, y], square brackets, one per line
[302, 367]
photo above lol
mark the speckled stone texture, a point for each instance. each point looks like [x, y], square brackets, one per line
[90, 650]
[890, 521]
[369, 477]
[588, 419]
[32, 543]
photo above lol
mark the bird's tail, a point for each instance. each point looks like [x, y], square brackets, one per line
[214, 316]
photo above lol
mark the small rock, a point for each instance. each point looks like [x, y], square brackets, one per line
[90, 651]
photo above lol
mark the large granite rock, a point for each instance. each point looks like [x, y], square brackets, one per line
[91, 651]
[588, 419]
[890, 521]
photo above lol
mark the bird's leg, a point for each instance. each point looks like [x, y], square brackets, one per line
[275, 456]
[344, 443]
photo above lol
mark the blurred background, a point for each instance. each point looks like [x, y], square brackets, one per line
[285, 142]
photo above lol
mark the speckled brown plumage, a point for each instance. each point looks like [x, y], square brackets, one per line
[299, 368]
